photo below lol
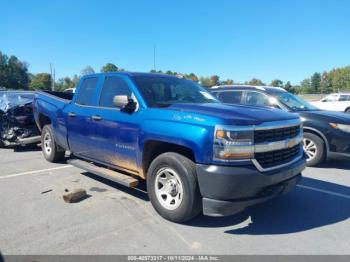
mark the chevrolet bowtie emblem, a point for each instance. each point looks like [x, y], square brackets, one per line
[291, 143]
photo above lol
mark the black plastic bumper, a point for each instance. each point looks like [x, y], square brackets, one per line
[227, 190]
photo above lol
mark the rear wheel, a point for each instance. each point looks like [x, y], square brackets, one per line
[347, 111]
[51, 150]
[172, 187]
[314, 148]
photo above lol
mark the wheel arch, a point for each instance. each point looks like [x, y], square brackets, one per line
[154, 148]
[319, 134]
[43, 120]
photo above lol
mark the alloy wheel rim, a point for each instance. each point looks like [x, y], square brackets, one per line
[310, 149]
[168, 188]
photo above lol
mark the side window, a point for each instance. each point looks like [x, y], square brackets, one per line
[113, 86]
[86, 91]
[343, 98]
[257, 99]
[231, 97]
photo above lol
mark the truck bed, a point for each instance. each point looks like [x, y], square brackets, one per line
[62, 95]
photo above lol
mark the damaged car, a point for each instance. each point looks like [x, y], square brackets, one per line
[17, 124]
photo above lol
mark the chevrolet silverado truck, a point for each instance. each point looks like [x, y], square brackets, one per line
[195, 153]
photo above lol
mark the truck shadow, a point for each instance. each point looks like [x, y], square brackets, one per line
[312, 204]
[28, 148]
[140, 191]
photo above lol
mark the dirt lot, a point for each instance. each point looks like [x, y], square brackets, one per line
[313, 219]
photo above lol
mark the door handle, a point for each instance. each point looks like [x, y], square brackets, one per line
[96, 118]
[71, 114]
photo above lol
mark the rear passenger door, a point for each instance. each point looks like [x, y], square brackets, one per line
[116, 132]
[343, 103]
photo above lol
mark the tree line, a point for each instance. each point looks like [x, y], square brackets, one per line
[14, 74]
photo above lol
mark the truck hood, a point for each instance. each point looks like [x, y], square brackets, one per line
[327, 116]
[235, 114]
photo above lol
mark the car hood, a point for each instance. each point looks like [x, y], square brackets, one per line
[327, 116]
[235, 114]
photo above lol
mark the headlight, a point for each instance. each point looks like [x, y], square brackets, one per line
[345, 128]
[233, 144]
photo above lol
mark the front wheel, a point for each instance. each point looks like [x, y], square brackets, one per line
[172, 187]
[314, 148]
[347, 111]
[51, 150]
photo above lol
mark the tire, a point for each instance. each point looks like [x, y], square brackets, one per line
[347, 110]
[1, 144]
[51, 150]
[176, 175]
[314, 148]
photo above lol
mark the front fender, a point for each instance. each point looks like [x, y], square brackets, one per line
[195, 137]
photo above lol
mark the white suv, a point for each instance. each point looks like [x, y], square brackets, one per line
[334, 102]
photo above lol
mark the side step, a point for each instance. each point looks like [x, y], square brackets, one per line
[105, 173]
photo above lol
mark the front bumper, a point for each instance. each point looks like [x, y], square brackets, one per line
[227, 190]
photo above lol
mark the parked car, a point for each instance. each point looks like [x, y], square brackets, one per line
[334, 102]
[326, 133]
[17, 125]
[195, 153]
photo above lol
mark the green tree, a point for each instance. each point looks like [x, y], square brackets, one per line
[277, 83]
[215, 80]
[87, 71]
[13, 72]
[315, 83]
[326, 85]
[288, 86]
[228, 82]
[205, 81]
[255, 82]
[305, 86]
[340, 79]
[67, 82]
[41, 81]
[109, 67]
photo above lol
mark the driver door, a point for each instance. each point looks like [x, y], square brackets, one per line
[116, 132]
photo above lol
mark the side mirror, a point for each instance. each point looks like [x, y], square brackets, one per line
[124, 103]
[120, 101]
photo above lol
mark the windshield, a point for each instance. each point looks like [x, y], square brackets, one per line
[294, 102]
[162, 91]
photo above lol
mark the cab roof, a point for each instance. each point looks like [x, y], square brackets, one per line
[267, 89]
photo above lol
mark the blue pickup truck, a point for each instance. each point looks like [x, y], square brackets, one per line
[195, 153]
